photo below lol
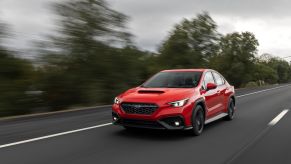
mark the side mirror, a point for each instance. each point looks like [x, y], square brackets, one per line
[211, 86]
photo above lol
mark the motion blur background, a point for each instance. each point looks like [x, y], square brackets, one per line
[90, 55]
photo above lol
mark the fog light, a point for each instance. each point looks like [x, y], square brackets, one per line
[177, 123]
[115, 118]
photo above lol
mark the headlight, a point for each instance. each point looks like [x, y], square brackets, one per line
[116, 100]
[179, 103]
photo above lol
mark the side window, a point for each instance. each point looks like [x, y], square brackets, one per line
[223, 79]
[218, 79]
[208, 78]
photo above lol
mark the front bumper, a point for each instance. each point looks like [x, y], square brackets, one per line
[168, 123]
[165, 117]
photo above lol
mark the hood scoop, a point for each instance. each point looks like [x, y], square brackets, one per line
[150, 92]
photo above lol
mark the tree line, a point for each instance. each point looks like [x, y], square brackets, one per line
[91, 58]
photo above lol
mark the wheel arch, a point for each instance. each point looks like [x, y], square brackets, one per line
[233, 98]
[201, 102]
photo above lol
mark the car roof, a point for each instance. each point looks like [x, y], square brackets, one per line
[186, 70]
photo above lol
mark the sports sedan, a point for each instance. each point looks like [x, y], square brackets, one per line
[179, 99]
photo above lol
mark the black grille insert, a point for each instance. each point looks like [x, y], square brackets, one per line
[139, 108]
[142, 123]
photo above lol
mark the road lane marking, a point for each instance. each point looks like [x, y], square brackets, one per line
[257, 138]
[107, 124]
[278, 117]
[262, 91]
[53, 135]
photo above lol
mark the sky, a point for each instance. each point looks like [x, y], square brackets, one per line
[150, 21]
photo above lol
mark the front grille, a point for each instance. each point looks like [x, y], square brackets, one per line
[139, 108]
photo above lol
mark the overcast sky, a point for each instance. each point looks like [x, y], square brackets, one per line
[151, 20]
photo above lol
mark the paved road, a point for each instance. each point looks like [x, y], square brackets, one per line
[249, 138]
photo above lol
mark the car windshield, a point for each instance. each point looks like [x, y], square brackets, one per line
[174, 80]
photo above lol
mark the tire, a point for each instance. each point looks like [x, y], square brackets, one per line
[230, 110]
[198, 120]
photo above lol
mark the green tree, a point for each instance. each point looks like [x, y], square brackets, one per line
[191, 44]
[236, 58]
[282, 68]
[263, 72]
[15, 80]
[92, 58]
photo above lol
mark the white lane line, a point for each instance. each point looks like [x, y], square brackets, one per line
[106, 124]
[278, 117]
[53, 135]
[262, 91]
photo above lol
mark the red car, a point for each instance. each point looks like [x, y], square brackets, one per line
[176, 99]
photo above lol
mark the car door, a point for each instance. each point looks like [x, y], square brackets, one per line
[220, 92]
[211, 97]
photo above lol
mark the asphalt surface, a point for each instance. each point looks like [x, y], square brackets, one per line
[249, 138]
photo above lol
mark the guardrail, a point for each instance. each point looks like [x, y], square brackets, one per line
[52, 113]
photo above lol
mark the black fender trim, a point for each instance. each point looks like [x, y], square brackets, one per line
[201, 101]
[234, 98]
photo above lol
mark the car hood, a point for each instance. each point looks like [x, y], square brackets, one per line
[156, 95]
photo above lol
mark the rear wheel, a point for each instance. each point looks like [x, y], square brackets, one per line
[197, 121]
[230, 110]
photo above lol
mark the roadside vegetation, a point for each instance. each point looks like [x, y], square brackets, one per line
[92, 57]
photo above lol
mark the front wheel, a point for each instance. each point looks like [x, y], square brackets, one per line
[197, 121]
[230, 110]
